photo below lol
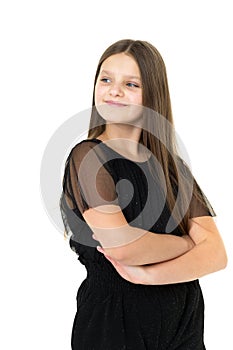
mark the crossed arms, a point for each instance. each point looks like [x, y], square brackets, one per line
[172, 259]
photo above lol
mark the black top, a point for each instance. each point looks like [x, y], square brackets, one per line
[113, 313]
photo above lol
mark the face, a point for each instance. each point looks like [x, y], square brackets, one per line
[118, 90]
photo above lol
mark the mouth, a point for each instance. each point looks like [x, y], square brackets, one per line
[115, 103]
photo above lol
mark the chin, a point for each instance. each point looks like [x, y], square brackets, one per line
[130, 114]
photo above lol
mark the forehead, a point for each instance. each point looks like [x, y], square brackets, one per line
[122, 64]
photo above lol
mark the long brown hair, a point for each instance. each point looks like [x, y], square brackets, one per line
[156, 100]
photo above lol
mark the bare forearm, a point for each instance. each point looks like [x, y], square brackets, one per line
[198, 262]
[207, 255]
[132, 245]
[151, 248]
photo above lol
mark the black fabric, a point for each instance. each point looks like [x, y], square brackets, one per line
[113, 313]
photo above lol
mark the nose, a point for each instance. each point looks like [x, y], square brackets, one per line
[116, 90]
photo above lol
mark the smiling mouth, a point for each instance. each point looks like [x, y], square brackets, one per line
[115, 103]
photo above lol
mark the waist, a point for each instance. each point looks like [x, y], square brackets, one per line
[107, 278]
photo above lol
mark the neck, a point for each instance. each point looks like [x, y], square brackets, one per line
[123, 131]
[123, 137]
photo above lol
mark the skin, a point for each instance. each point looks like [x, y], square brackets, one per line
[207, 256]
[118, 89]
[171, 259]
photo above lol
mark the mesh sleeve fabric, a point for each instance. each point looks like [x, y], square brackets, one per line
[89, 183]
[200, 205]
[87, 180]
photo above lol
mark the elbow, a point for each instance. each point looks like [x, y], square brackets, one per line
[217, 254]
[224, 258]
[221, 259]
[224, 261]
[117, 253]
[121, 254]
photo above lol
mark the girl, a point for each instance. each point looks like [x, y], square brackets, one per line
[140, 223]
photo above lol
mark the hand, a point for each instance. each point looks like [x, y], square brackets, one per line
[133, 274]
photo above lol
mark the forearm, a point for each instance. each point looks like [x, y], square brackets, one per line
[132, 245]
[207, 256]
[150, 248]
[198, 262]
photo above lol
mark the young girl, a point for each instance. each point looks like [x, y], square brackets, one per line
[140, 223]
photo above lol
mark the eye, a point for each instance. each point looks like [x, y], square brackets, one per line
[105, 80]
[134, 85]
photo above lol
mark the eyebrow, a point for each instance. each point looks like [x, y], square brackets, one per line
[127, 76]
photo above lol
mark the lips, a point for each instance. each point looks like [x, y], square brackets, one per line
[115, 103]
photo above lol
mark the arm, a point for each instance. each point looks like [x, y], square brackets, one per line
[90, 188]
[207, 256]
[131, 245]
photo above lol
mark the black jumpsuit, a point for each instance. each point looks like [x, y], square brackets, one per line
[112, 313]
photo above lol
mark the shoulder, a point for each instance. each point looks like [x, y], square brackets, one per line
[183, 165]
[89, 152]
[82, 148]
[86, 144]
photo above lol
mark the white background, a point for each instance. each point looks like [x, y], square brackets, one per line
[49, 53]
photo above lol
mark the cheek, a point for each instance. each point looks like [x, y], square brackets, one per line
[137, 99]
[99, 93]
[140, 100]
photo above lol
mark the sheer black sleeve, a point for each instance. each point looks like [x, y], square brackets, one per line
[88, 182]
[200, 205]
